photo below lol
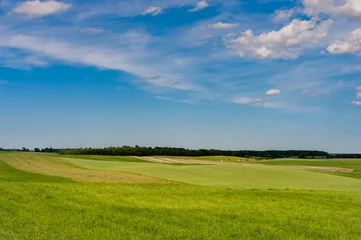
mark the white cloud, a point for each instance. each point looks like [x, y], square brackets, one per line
[352, 8]
[223, 25]
[154, 11]
[200, 5]
[280, 44]
[358, 103]
[273, 92]
[37, 8]
[296, 33]
[92, 30]
[348, 8]
[283, 15]
[350, 44]
[358, 89]
[314, 7]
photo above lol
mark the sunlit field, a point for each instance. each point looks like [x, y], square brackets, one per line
[47, 196]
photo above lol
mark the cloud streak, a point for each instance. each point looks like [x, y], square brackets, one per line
[93, 55]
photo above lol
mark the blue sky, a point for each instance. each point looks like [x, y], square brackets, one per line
[263, 74]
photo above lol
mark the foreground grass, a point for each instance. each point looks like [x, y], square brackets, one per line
[123, 211]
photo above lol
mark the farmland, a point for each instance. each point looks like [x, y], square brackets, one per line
[47, 196]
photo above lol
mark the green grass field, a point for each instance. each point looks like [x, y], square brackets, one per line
[205, 202]
[354, 164]
[237, 177]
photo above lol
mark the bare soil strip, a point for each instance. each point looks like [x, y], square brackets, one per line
[205, 162]
[56, 167]
[325, 169]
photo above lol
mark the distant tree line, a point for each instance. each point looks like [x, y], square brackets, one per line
[48, 150]
[169, 151]
[345, 155]
[15, 150]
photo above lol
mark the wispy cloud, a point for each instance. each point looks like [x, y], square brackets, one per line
[259, 102]
[154, 11]
[200, 5]
[273, 92]
[283, 15]
[305, 91]
[223, 25]
[37, 8]
[92, 30]
[107, 57]
[358, 103]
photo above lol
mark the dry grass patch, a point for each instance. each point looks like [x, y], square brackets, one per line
[54, 166]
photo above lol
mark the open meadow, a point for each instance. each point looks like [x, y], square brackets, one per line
[48, 196]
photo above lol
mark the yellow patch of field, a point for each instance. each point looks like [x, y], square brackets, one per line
[54, 166]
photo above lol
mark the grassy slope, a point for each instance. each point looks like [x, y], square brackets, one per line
[9, 174]
[33, 206]
[52, 165]
[342, 163]
[237, 177]
[123, 211]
